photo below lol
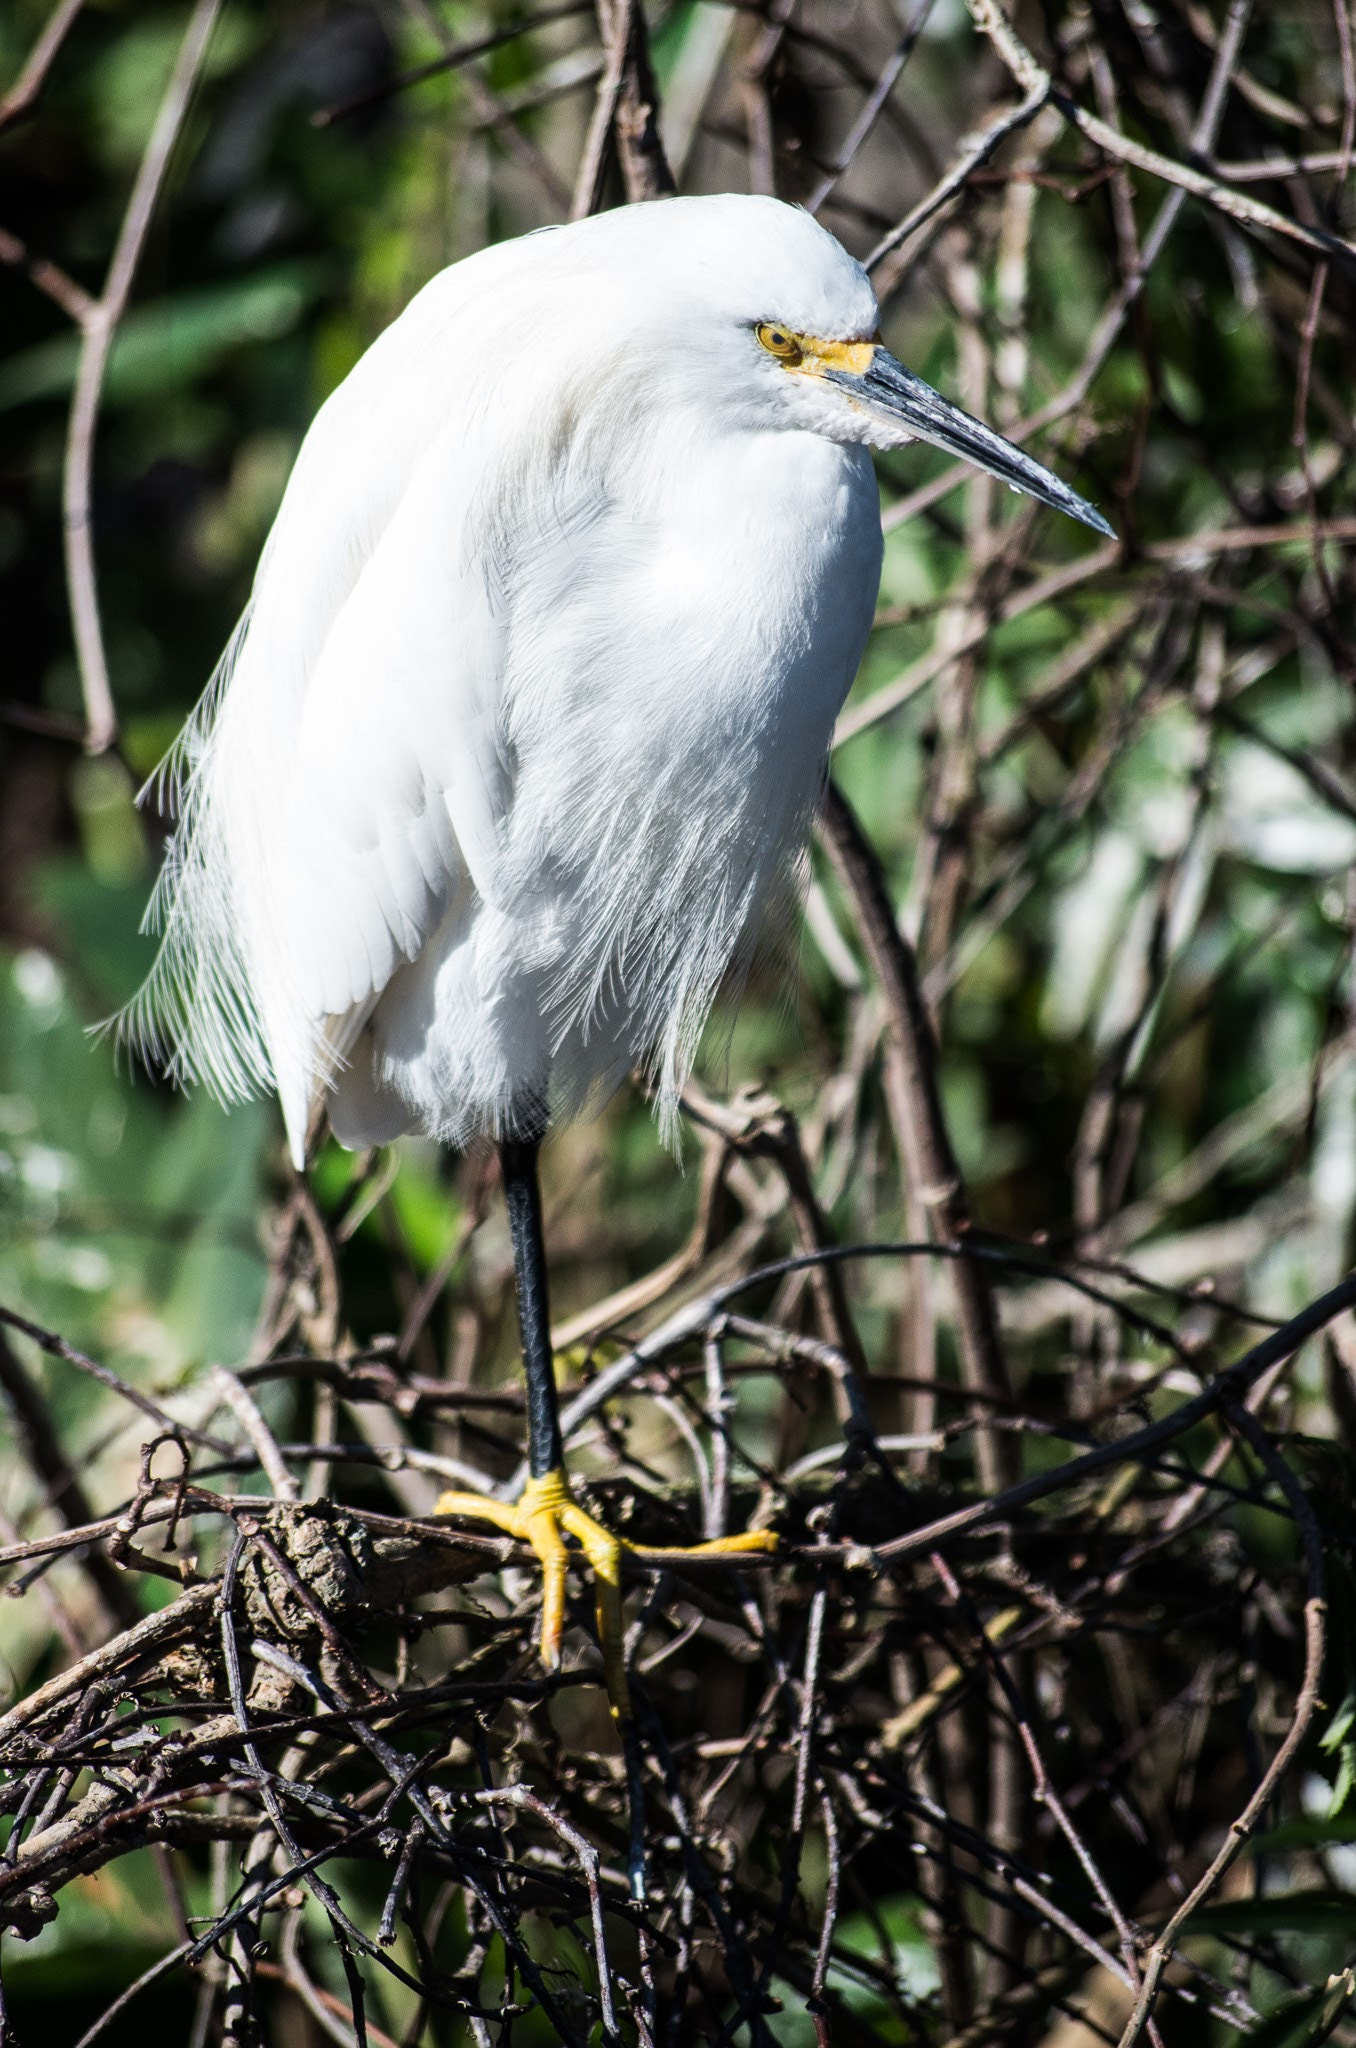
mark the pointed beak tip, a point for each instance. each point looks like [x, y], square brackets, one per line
[924, 415]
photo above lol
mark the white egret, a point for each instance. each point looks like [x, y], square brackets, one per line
[528, 715]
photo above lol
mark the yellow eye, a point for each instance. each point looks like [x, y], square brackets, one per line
[779, 343]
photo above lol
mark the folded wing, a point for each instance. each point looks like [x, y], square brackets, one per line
[343, 777]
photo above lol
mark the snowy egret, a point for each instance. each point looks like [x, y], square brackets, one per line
[528, 714]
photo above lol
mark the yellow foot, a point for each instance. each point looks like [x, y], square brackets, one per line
[543, 1515]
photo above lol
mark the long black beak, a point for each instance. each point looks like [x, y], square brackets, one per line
[903, 400]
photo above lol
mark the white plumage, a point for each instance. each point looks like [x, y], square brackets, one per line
[526, 719]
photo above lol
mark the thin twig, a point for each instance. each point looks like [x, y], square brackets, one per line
[96, 338]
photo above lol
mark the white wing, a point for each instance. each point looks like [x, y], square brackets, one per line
[342, 778]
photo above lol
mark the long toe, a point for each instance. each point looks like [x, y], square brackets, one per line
[542, 1531]
[543, 1516]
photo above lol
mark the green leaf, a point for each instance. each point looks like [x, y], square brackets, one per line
[1306, 1831]
[169, 345]
[1337, 1728]
[912, 1957]
[1311, 1912]
[1308, 2018]
[427, 1212]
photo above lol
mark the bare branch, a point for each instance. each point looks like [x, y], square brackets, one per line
[97, 330]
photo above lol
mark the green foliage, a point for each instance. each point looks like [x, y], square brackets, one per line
[1156, 892]
[173, 345]
[1308, 2018]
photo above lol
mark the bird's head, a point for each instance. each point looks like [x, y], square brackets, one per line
[851, 388]
[767, 299]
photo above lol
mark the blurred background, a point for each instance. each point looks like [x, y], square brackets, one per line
[1111, 787]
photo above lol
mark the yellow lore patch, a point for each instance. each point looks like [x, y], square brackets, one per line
[811, 355]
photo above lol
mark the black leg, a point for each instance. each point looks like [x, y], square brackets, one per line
[635, 1799]
[518, 1165]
